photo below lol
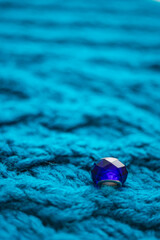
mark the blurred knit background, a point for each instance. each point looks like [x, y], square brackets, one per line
[79, 80]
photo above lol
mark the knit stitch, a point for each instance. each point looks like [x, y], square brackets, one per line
[79, 80]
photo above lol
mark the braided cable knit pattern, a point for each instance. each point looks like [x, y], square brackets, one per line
[79, 80]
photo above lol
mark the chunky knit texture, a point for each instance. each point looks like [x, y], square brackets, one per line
[79, 80]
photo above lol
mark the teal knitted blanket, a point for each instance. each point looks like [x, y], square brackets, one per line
[79, 80]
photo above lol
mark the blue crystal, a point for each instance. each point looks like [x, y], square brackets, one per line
[109, 169]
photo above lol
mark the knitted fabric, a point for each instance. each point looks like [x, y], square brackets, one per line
[79, 80]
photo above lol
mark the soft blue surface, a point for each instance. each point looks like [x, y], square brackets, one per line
[79, 80]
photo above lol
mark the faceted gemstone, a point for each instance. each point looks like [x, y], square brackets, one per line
[109, 169]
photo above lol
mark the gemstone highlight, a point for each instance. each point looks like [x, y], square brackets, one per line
[109, 170]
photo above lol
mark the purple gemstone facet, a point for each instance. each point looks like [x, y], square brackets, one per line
[109, 169]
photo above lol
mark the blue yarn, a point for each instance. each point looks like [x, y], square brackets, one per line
[79, 81]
